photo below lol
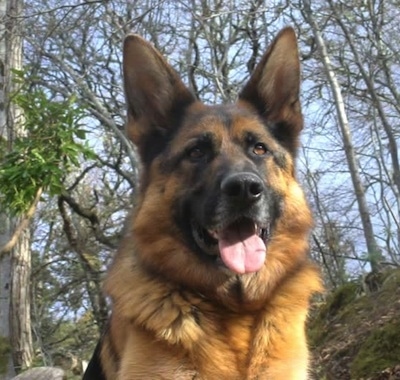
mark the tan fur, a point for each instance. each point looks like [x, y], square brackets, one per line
[175, 316]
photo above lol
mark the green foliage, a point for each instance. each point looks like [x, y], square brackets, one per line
[45, 150]
[379, 351]
[5, 349]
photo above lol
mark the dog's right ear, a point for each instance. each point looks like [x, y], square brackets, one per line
[155, 94]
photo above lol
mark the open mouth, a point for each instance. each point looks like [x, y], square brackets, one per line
[241, 245]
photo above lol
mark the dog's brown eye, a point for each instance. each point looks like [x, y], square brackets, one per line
[259, 149]
[196, 153]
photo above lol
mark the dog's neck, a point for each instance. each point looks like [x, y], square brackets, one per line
[188, 320]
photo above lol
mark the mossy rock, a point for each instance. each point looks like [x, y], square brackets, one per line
[355, 334]
[391, 280]
[5, 349]
[334, 305]
[378, 352]
[340, 298]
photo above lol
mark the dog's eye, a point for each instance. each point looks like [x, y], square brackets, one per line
[196, 153]
[259, 149]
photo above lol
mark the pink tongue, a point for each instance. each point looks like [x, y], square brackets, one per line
[241, 249]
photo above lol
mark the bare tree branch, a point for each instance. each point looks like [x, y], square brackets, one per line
[23, 224]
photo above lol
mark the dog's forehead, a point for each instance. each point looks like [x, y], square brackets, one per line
[221, 120]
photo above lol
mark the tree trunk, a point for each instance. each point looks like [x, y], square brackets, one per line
[374, 255]
[6, 364]
[20, 311]
[15, 263]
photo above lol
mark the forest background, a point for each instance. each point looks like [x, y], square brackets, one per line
[68, 174]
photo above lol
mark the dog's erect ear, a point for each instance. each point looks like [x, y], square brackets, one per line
[274, 88]
[155, 94]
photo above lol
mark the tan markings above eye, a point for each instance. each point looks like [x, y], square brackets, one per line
[259, 149]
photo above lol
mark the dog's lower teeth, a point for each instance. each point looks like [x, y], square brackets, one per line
[213, 234]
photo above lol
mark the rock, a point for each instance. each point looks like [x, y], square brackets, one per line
[42, 373]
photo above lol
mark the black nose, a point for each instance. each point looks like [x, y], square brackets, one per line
[245, 187]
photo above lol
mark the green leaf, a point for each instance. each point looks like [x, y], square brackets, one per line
[80, 133]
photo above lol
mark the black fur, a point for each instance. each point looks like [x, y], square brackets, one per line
[94, 370]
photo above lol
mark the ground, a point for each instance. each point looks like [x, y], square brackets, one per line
[355, 332]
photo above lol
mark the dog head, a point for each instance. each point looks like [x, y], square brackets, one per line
[219, 209]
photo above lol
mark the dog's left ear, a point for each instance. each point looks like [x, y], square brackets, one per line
[273, 89]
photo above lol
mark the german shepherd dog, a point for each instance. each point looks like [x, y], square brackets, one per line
[212, 280]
